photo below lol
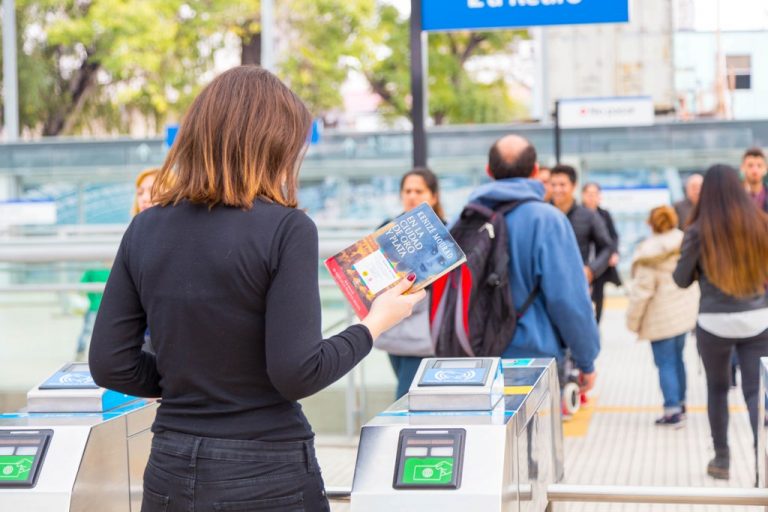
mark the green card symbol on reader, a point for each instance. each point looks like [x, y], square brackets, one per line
[428, 471]
[15, 468]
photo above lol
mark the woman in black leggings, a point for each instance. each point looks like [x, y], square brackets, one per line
[726, 250]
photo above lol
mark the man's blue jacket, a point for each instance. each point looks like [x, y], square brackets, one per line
[543, 250]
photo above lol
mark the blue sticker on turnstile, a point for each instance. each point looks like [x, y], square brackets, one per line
[112, 399]
[453, 377]
[516, 363]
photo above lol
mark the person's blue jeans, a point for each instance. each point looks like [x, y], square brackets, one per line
[405, 370]
[668, 356]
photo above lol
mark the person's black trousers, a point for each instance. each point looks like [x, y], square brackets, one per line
[205, 474]
[598, 297]
[716, 355]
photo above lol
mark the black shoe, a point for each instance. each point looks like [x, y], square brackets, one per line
[720, 466]
[676, 420]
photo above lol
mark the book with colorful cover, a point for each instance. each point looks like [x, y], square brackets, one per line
[416, 241]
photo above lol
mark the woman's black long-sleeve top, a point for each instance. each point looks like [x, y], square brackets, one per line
[232, 299]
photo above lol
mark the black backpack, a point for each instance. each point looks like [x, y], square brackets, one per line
[472, 313]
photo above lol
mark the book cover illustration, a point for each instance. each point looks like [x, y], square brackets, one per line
[417, 241]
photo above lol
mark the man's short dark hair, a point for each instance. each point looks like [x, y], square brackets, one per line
[753, 152]
[520, 167]
[567, 170]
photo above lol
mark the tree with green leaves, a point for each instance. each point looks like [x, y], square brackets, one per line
[325, 36]
[90, 64]
[318, 40]
[99, 65]
[454, 95]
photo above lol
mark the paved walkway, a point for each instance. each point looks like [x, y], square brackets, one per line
[614, 441]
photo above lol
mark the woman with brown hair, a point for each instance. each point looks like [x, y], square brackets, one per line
[226, 272]
[661, 312]
[726, 249]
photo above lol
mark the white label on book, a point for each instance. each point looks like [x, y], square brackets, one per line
[376, 271]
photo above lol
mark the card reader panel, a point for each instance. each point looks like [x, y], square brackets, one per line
[429, 458]
[71, 376]
[21, 456]
[455, 372]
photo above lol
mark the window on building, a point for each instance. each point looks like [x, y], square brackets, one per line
[739, 69]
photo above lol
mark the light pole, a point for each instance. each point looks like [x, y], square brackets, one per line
[10, 78]
[267, 34]
[418, 86]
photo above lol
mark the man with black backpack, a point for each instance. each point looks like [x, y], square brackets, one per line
[545, 309]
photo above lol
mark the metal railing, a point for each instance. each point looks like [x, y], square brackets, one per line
[561, 493]
[54, 249]
[656, 494]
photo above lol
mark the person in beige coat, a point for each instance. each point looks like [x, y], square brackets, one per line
[662, 312]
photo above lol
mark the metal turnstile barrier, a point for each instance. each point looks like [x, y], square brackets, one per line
[511, 454]
[75, 447]
[472, 434]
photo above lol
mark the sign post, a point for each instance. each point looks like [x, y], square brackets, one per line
[558, 133]
[601, 113]
[418, 86]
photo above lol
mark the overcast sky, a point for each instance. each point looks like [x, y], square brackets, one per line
[734, 14]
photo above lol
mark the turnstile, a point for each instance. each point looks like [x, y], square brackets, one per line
[75, 447]
[472, 434]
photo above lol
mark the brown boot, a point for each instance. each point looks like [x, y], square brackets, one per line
[719, 467]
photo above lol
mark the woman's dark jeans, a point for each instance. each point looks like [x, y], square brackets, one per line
[201, 474]
[716, 355]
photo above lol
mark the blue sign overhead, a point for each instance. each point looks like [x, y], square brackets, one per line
[483, 14]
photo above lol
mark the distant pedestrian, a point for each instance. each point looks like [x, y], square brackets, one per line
[547, 264]
[661, 312]
[754, 169]
[96, 275]
[545, 177]
[684, 207]
[726, 249]
[145, 181]
[591, 198]
[410, 341]
[595, 243]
